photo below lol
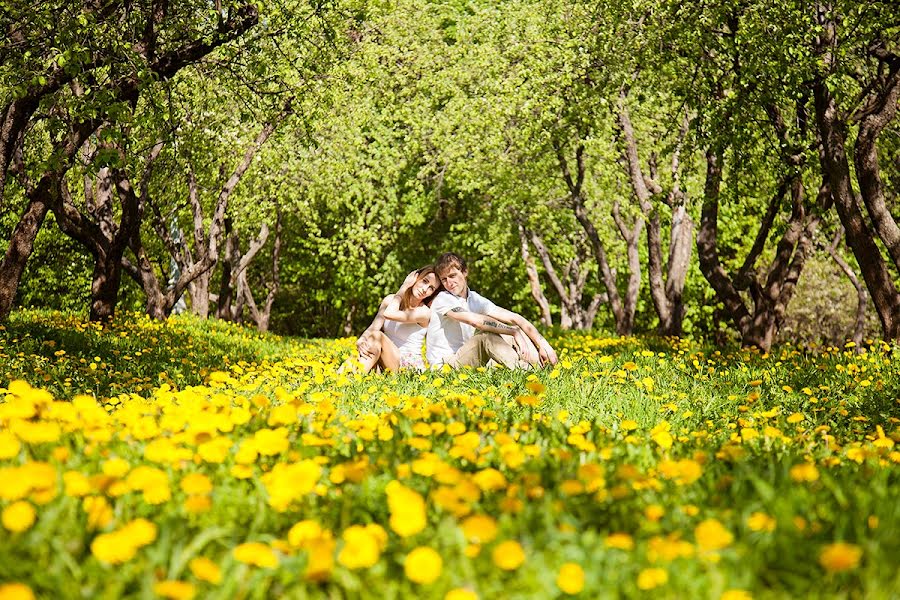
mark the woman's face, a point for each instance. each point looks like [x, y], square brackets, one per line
[425, 287]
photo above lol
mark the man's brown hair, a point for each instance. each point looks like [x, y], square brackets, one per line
[448, 260]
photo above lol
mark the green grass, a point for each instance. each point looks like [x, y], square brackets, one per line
[714, 400]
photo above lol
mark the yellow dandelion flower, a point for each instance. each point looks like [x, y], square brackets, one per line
[196, 483]
[303, 532]
[423, 565]
[759, 521]
[460, 594]
[115, 467]
[621, 541]
[479, 529]
[651, 578]
[257, 554]
[75, 484]
[15, 591]
[570, 578]
[840, 556]
[407, 508]
[113, 548]
[18, 516]
[99, 512]
[508, 555]
[804, 472]
[205, 570]
[735, 595]
[361, 548]
[711, 535]
[9, 445]
[197, 504]
[139, 532]
[176, 590]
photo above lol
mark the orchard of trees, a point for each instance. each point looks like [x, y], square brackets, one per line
[727, 169]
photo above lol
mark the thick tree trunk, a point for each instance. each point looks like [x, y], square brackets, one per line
[762, 328]
[15, 117]
[199, 294]
[860, 237]
[868, 172]
[105, 283]
[680, 244]
[770, 298]
[21, 244]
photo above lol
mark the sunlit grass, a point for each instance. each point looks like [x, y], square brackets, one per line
[253, 468]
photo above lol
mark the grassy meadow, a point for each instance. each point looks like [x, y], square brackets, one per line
[201, 459]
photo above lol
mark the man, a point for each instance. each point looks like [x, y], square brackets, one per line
[458, 312]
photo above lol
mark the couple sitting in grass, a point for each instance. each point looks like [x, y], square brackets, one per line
[458, 326]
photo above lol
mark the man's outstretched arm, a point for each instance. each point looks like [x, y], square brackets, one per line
[545, 350]
[491, 324]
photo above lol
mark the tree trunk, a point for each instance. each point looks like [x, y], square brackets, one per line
[619, 310]
[348, 319]
[680, 244]
[227, 288]
[570, 291]
[21, 244]
[860, 237]
[666, 281]
[771, 297]
[632, 238]
[862, 297]
[199, 293]
[534, 280]
[105, 283]
[16, 115]
[707, 245]
[867, 170]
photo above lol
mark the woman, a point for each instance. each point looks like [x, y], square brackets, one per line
[394, 339]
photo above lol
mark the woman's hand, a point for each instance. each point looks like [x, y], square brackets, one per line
[409, 281]
[366, 345]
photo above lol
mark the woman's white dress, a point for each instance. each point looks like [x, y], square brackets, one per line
[408, 337]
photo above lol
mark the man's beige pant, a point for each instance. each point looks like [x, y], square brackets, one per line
[483, 347]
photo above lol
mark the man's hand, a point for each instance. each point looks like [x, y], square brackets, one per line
[547, 353]
[525, 348]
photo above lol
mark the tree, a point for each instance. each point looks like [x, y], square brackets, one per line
[105, 81]
[856, 45]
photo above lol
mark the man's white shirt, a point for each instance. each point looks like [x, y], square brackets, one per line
[447, 335]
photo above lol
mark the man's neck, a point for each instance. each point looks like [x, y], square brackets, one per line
[465, 293]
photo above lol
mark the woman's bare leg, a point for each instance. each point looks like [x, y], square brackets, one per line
[390, 355]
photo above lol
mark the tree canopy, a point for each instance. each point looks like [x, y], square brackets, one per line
[645, 165]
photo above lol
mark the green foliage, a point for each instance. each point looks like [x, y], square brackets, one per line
[421, 127]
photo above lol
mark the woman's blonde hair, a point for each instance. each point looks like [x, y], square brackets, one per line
[407, 297]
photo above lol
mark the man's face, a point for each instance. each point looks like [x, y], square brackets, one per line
[454, 280]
